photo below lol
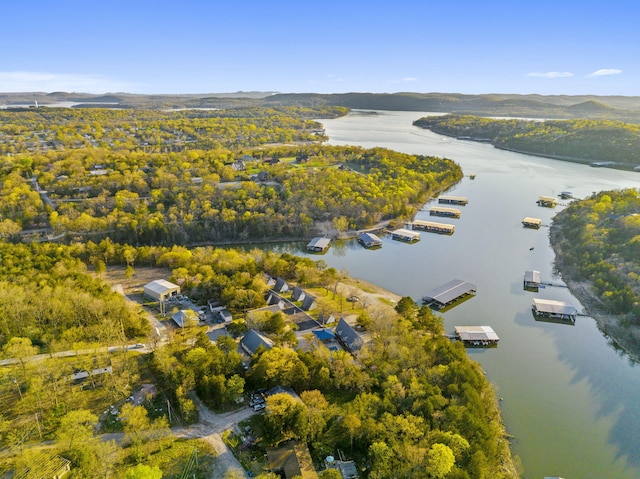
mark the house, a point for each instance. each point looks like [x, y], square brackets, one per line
[308, 303]
[225, 316]
[348, 337]
[161, 290]
[263, 176]
[281, 286]
[291, 460]
[252, 341]
[238, 165]
[297, 294]
[183, 317]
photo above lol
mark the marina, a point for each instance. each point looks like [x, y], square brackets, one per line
[443, 211]
[405, 235]
[453, 200]
[477, 336]
[433, 227]
[318, 245]
[369, 240]
[554, 310]
[529, 222]
[449, 294]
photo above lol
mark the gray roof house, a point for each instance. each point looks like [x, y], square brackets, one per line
[253, 340]
[308, 303]
[281, 286]
[297, 294]
[349, 337]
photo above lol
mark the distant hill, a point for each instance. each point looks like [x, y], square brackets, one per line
[531, 106]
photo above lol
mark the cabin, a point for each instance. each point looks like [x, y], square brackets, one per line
[405, 235]
[161, 290]
[281, 286]
[253, 340]
[532, 279]
[348, 337]
[551, 309]
[449, 293]
[291, 460]
[184, 317]
[477, 336]
[529, 222]
[453, 200]
[443, 211]
[433, 227]
[318, 245]
[298, 294]
[547, 201]
[369, 240]
[308, 303]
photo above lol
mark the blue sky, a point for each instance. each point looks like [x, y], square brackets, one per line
[325, 46]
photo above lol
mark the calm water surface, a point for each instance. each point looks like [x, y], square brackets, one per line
[571, 401]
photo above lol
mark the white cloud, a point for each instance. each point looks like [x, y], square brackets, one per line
[550, 74]
[49, 82]
[604, 71]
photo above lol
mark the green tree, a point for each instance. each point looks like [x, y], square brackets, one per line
[440, 460]
[76, 427]
[142, 471]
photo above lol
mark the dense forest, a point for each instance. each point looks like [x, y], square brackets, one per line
[410, 401]
[585, 141]
[146, 177]
[598, 240]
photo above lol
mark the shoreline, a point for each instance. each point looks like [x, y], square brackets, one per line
[612, 326]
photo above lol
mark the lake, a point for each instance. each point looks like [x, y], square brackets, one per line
[570, 400]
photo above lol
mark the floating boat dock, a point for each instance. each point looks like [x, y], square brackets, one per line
[548, 201]
[318, 245]
[449, 293]
[433, 227]
[532, 279]
[477, 336]
[551, 309]
[443, 211]
[405, 235]
[529, 222]
[369, 240]
[453, 200]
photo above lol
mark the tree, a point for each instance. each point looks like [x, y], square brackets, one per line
[440, 460]
[76, 427]
[142, 471]
[280, 366]
[330, 474]
[284, 418]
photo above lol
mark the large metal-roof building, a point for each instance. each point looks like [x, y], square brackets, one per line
[477, 335]
[161, 289]
[553, 309]
[449, 293]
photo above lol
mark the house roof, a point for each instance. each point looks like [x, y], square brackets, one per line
[281, 285]
[160, 286]
[293, 460]
[324, 334]
[349, 336]
[308, 302]
[253, 340]
[184, 316]
[297, 294]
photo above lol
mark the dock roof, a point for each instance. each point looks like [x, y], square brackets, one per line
[450, 291]
[532, 221]
[476, 333]
[532, 276]
[319, 243]
[405, 233]
[551, 306]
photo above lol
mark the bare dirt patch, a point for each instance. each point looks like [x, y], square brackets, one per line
[141, 276]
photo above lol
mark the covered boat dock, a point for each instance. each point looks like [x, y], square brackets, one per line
[548, 201]
[433, 227]
[532, 279]
[477, 336]
[449, 293]
[529, 222]
[453, 200]
[405, 235]
[369, 240]
[552, 309]
[443, 211]
[318, 245]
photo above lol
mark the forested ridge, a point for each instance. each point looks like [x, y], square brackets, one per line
[598, 240]
[582, 140]
[183, 178]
